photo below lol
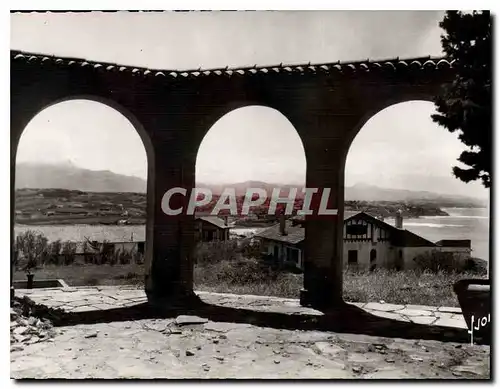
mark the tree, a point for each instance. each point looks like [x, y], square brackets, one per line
[33, 247]
[465, 105]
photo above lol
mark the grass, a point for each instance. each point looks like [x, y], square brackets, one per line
[243, 276]
[404, 287]
[83, 275]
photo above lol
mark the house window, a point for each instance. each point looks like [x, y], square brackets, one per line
[373, 255]
[352, 257]
[276, 252]
[140, 247]
[356, 229]
[208, 235]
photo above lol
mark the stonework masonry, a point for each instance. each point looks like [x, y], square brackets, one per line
[173, 110]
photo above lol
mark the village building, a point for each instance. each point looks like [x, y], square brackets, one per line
[211, 228]
[85, 241]
[369, 243]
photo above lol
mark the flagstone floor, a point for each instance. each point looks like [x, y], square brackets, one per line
[190, 346]
[83, 299]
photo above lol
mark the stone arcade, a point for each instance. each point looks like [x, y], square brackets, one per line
[173, 110]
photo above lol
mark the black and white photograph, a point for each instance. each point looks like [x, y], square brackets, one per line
[251, 195]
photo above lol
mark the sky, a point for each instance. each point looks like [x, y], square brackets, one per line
[399, 147]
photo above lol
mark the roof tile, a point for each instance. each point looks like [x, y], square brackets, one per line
[340, 67]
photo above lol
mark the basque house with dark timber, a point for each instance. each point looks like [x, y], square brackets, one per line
[369, 243]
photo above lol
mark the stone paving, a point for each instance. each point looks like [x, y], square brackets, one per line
[84, 299]
[187, 346]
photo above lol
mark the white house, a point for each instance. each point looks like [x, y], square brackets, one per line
[368, 243]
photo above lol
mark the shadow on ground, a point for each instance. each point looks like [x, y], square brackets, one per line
[346, 319]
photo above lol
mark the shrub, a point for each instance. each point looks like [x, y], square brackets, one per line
[438, 261]
[402, 287]
[124, 257]
[33, 247]
[138, 258]
[217, 251]
[250, 248]
[108, 255]
[69, 252]
[53, 253]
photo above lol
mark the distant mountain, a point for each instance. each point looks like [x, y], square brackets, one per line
[361, 192]
[241, 187]
[68, 176]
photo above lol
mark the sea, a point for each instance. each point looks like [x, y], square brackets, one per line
[462, 223]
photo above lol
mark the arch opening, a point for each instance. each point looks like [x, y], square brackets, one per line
[400, 163]
[251, 147]
[81, 181]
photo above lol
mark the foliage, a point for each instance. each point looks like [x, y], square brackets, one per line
[68, 251]
[33, 247]
[32, 250]
[465, 106]
[447, 262]
[53, 252]
[216, 251]
[403, 287]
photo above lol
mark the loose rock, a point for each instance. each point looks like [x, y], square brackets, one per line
[183, 320]
[20, 330]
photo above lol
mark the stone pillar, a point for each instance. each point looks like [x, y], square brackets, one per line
[16, 128]
[323, 264]
[169, 239]
[325, 145]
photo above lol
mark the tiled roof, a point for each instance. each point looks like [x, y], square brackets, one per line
[392, 65]
[454, 243]
[216, 221]
[294, 233]
[405, 238]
